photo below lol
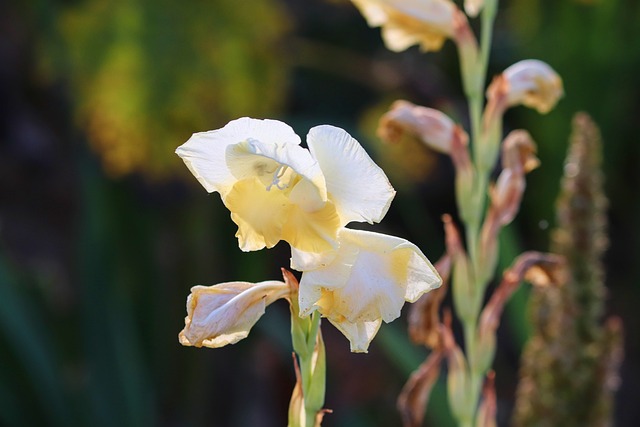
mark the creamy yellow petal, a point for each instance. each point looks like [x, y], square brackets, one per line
[357, 186]
[359, 334]
[303, 261]
[259, 214]
[205, 153]
[399, 36]
[407, 22]
[370, 278]
[312, 231]
[256, 158]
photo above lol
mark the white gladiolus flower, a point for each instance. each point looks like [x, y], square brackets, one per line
[277, 190]
[368, 281]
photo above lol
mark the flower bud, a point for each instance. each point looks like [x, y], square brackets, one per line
[434, 128]
[519, 151]
[223, 314]
[518, 156]
[458, 381]
[462, 285]
[465, 174]
[427, 23]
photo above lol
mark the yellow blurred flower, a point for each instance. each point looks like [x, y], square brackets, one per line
[368, 281]
[404, 23]
[277, 190]
[223, 314]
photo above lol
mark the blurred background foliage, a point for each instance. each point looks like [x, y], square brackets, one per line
[103, 230]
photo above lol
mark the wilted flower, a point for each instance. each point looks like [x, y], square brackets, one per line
[223, 314]
[434, 128]
[277, 190]
[407, 22]
[368, 281]
[531, 83]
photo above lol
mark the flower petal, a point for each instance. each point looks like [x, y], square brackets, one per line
[223, 314]
[312, 231]
[408, 22]
[370, 278]
[259, 214]
[359, 334]
[304, 261]
[255, 157]
[205, 153]
[357, 186]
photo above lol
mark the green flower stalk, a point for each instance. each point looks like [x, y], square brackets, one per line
[569, 367]
[307, 400]
[484, 207]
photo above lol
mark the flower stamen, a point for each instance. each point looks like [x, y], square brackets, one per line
[277, 175]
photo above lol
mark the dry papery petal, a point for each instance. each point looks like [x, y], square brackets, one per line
[519, 151]
[424, 315]
[488, 408]
[413, 400]
[540, 269]
[434, 128]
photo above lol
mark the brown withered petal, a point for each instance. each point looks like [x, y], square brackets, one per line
[452, 237]
[487, 411]
[541, 269]
[506, 195]
[424, 317]
[413, 400]
[519, 151]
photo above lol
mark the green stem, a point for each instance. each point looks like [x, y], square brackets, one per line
[309, 348]
[475, 96]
